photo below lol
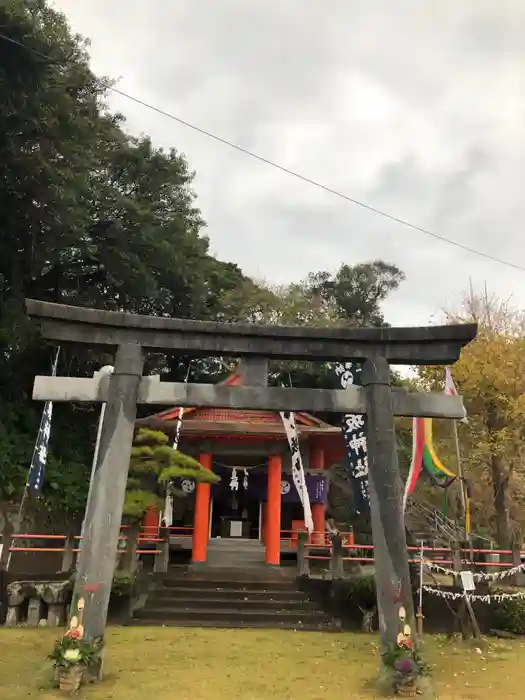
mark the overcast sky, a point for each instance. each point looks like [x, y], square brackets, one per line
[416, 108]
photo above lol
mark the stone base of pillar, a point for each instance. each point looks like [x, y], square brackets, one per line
[161, 563]
[34, 612]
[56, 615]
[13, 616]
[54, 594]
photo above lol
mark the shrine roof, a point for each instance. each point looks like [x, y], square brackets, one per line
[206, 421]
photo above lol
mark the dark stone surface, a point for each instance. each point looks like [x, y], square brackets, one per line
[9, 577]
[51, 592]
[428, 345]
[386, 494]
[96, 561]
[231, 599]
[334, 599]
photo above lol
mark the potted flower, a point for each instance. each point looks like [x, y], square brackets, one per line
[404, 662]
[406, 672]
[70, 656]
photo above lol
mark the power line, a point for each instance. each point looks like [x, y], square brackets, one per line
[293, 173]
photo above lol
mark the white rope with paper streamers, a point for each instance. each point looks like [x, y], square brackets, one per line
[477, 575]
[234, 480]
[167, 514]
[486, 598]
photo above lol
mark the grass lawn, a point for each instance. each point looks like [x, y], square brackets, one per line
[187, 664]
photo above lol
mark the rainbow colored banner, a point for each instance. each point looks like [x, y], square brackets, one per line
[424, 458]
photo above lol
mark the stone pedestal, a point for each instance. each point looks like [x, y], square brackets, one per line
[162, 560]
[38, 594]
[34, 611]
[336, 560]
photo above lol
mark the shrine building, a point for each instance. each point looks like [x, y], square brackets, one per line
[256, 497]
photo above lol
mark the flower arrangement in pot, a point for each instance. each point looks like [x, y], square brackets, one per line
[71, 656]
[406, 673]
[405, 661]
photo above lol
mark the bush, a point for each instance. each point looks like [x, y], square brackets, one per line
[509, 616]
[361, 590]
[122, 583]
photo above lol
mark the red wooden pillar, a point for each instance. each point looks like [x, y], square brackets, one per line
[317, 460]
[201, 517]
[150, 522]
[318, 516]
[273, 512]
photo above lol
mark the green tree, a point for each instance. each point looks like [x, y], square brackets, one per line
[88, 216]
[355, 292]
[153, 465]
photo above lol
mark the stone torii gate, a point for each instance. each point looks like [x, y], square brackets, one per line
[133, 334]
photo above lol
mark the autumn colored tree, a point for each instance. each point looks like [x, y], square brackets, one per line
[491, 377]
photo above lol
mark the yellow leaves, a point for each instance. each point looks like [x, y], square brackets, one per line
[490, 375]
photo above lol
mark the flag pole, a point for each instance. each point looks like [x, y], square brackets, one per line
[20, 514]
[451, 390]
[460, 467]
[421, 581]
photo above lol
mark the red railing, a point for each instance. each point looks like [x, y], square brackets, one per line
[427, 550]
[142, 539]
[321, 539]
[318, 542]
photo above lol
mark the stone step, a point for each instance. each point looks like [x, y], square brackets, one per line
[229, 558]
[223, 602]
[234, 565]
[229, 614]
[240, 584]
[235, 552]
[234, 543]
[226, 594]
[238, 624]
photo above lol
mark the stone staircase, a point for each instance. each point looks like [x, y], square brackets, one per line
[211, 600]
[235, 554]
[234, 589]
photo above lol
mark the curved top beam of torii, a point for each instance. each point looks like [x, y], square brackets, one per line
[426, 345]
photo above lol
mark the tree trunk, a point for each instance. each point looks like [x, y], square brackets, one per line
[500, 484]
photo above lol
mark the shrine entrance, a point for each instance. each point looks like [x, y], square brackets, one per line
[235, 504]
[249, 451]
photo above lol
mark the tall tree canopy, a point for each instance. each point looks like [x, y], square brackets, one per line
[351, 296]
[88, 216]
[91, 216]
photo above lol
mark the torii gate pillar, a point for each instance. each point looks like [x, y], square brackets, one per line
[103, 519]
[386, 496]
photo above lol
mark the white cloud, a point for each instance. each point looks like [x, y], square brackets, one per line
[415, 108]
